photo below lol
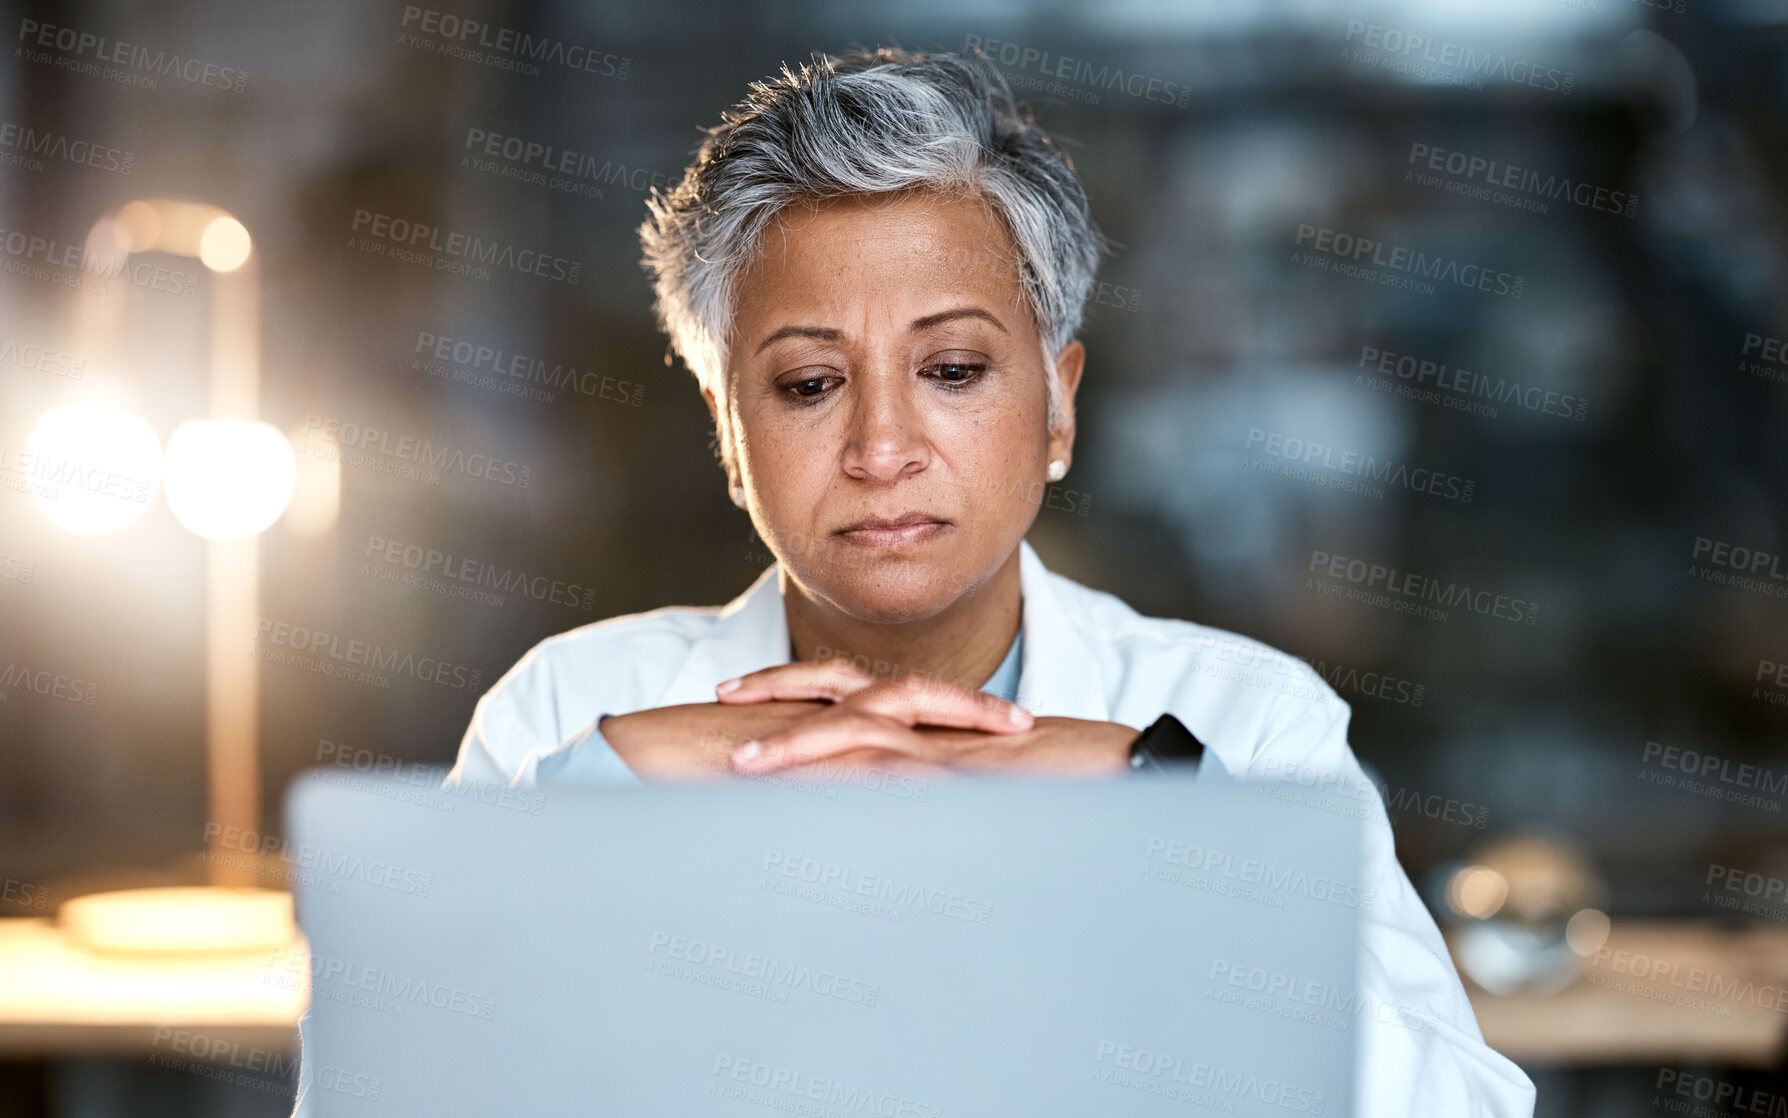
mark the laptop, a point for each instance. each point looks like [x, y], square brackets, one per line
[892, 947]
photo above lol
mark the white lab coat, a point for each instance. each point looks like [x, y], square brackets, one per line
[1086, 655]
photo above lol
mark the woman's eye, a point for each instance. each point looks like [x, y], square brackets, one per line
[950, 373]
[807, 388]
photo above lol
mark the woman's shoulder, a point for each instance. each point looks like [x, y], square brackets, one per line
[626, 642]
[1237, 692]
[566, 682]
[654, 643]
[1133, 633]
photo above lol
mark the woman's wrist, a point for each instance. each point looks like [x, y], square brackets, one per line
[665, 743]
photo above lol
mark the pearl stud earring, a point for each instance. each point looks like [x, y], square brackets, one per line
[738, 495]
[1058, 469]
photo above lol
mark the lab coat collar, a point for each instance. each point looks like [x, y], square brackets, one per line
[750, 632]
[1060, 673]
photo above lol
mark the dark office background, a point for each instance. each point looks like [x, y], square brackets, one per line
[1274, 134]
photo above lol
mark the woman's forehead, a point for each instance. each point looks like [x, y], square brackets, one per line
[915, 230]
[899, 252]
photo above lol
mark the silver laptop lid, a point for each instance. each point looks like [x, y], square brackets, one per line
[912, 950]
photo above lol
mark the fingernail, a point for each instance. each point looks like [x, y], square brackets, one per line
[747, 751]
[729, 685]
[1019, 716]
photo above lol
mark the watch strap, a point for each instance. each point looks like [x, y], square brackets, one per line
[1166, 746]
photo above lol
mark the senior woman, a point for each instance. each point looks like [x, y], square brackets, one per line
[875, 268]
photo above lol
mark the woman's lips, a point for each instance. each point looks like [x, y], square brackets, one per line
[906, 531]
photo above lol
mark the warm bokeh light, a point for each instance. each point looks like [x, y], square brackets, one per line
[48, 982]
[227, 477]
[1588, 931]
[225, 245]
[1477, 892]
[316, 503]
[93, 470]
[180, 920]
[140, 224]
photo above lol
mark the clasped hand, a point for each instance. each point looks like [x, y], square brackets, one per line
[916, 722]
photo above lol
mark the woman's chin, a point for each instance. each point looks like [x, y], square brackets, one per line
[895, 594]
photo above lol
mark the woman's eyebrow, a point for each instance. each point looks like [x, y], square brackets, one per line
[823, 333]
[828, 334]
[941, 317]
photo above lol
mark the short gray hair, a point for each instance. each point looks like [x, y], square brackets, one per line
[864, 123]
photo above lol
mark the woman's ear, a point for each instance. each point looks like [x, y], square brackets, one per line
[722, 437]
[1069, 364]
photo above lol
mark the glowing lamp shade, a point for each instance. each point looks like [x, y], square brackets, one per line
[225, 244]
[229, 477]
[93, 470]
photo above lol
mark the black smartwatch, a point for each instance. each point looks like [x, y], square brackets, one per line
[1166, 746]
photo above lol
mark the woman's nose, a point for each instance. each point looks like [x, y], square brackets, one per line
[887, 437]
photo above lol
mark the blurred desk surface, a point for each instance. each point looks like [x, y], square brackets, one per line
[1661, 991]
[57, 999]
[1658, 991]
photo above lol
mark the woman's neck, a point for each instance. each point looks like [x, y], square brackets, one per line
[964, 644]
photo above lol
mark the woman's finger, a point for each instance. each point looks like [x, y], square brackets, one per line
[832, 679]
[926, 701]
[828, 734]
[912, 700]
[862, 763]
